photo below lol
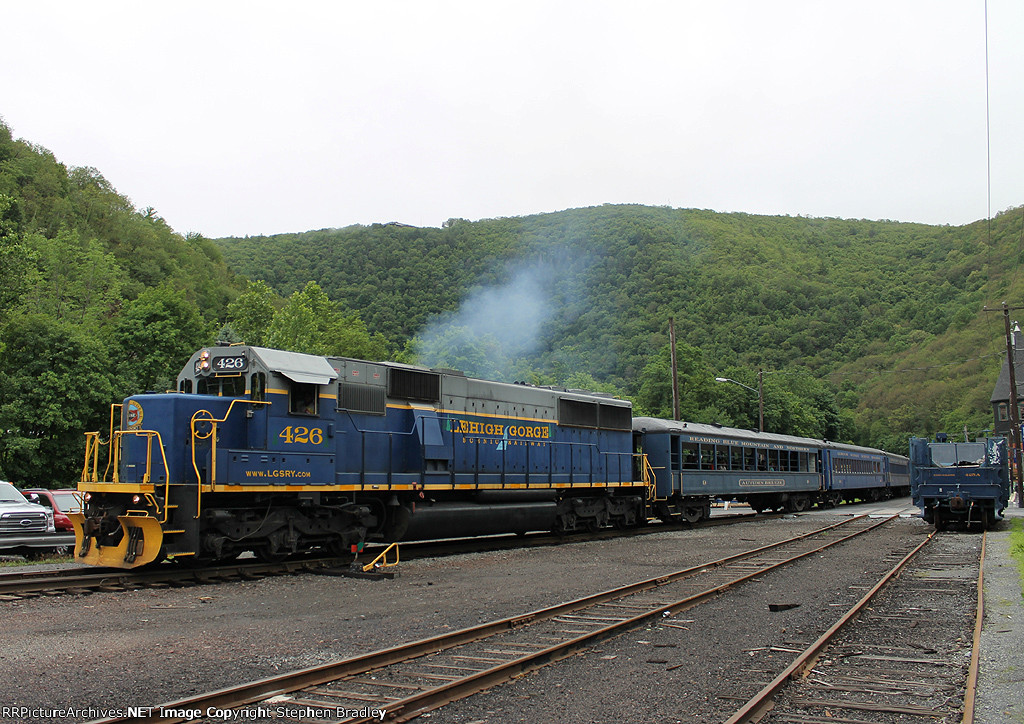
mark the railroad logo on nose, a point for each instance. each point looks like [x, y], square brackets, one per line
[133, 415]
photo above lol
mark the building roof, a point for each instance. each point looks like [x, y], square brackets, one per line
[1001, 392]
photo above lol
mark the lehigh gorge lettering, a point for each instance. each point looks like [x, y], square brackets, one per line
[466, 427]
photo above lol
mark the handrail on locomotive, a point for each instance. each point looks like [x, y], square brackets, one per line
[195, 435]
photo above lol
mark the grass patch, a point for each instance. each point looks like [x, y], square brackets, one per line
[1017, 547]
[16, 561]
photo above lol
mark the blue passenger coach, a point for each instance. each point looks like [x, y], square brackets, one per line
[854, 473]
[694, 463]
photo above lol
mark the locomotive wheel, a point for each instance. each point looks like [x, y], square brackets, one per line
[265, 555]
[338, 548]
[691, 514]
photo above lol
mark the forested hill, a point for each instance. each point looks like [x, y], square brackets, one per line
[867, 331]
[880, 321]
[98, 299]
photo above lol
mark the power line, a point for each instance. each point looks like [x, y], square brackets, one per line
[918, 369]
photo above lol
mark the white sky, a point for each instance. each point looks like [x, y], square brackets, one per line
[235, 118]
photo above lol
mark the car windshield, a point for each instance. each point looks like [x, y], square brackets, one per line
[68, 502]
[8, 494]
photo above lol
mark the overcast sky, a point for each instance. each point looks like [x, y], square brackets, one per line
[246, 118]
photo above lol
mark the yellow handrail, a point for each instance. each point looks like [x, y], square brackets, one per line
[647, 475]
[381, 561]
[201, 416]
[92, 449]
[112, 455]
[93, 443]
[147, 477]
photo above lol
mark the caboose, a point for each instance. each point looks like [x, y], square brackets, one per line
[279, 452]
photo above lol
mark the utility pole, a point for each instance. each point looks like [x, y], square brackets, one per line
[1015, 441]
[760, 400]
[675, 373]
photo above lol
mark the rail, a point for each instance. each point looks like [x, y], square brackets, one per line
[758, 705]
[537, 644]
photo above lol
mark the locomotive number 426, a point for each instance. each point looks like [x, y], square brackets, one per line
[302, 435]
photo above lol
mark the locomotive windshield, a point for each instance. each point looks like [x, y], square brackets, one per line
[948, 455]
[221, 386]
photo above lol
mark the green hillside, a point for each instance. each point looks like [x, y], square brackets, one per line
[97, 299]
[867, 331]
[832, 309]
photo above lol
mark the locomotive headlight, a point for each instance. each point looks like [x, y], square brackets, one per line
[87, 497]
[136, 498]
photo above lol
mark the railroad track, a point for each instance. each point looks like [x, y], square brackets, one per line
[904, 657]
[406, 681]
[17, 586]
[57, 581]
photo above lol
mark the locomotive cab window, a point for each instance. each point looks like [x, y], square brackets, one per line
[258, 386]
[304, 399]
[230, 386]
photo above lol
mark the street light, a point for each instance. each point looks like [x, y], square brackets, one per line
[759, 392]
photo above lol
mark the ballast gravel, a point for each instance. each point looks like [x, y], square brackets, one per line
[93, 654]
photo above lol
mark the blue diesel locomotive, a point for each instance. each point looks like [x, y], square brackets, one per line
[959, 482]
[278, 452]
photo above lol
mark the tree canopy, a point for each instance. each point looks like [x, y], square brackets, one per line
[866, 331]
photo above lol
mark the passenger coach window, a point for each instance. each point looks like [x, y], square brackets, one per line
[707, 457]
[690, 456]
[737, 458]
[304, 399]
[749, 459]
[721, 458]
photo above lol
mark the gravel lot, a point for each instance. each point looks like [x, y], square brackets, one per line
[147, 647]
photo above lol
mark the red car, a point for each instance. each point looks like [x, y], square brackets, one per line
[61, 502]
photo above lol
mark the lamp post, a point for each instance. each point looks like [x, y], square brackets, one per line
[759, 392]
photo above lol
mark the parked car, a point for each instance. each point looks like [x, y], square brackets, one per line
[27, 528]
[61, 502]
